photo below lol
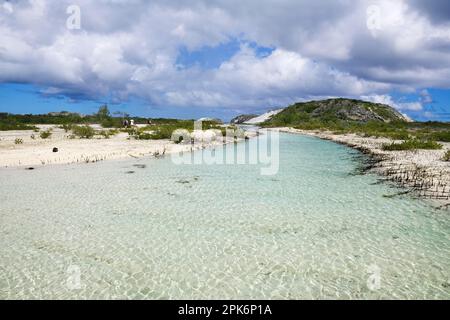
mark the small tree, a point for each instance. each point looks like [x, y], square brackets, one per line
[103, 113]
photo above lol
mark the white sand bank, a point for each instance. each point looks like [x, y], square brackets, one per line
[37, 151]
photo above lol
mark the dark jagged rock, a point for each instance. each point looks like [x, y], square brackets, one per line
[242, 118]
[55, 150]
[214, 120]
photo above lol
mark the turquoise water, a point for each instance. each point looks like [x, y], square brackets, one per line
[315, 230]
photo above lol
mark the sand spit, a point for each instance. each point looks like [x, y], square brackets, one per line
[34, 151]
[421, 172]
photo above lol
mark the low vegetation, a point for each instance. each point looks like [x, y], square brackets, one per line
[66, 127]
[108, 133]
[10, 126]
[45, 134]
[446, 156]
[433, 131]
[164, 128]
[65, 119]
[18, 141]
[79, 125]
[410, 135]
[334, 111]
[343, 116]
[83, 132]
[441, 135]
[412, 144]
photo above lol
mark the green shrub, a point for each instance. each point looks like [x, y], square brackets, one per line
[131, 131]
[446, 156]
[105, 134]
[441, 136]
[108, 133]
[164, 132]
[398, 135]
[111, 122]
[18, 141]
[45, 134]
[9, 126]
[67, 127]
[143, 136]
[83, 132]
[412, 144]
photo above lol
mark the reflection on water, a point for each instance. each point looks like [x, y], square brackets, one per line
[151, 229]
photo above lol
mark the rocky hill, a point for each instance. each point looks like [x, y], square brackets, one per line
[335, 110]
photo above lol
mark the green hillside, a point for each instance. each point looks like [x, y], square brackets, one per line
[335, 111]
[359, 117]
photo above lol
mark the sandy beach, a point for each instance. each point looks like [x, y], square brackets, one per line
[37, 151]
[422, 172]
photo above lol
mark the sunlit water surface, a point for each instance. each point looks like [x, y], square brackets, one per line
[314, 230]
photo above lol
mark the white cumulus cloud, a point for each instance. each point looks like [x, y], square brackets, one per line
[321, 49]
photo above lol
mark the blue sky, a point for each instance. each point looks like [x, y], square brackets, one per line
[26, 98]
[435, 107]
[211, 57]
[219, 59]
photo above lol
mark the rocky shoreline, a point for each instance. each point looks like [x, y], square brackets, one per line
[421, 172]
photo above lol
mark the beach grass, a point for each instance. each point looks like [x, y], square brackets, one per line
[108, 133]
[412, 144]
[11, 126]
[45, 134]
[83, 132]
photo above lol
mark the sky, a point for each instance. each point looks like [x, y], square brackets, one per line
[221, 58]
